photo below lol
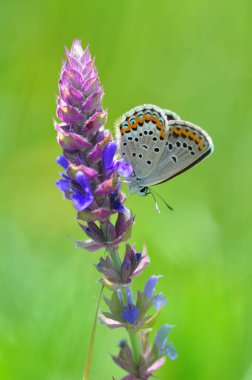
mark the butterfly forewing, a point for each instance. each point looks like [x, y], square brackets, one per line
[170, 115]
[143, 135]
[186, 145]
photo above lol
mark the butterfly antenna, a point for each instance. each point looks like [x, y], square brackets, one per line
[156, 204]
[162, 199]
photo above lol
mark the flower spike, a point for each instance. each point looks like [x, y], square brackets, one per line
[90, 179]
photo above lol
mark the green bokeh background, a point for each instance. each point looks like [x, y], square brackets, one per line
[193, 57]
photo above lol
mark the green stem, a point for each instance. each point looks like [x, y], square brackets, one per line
[113, 252]
[135, 345]
[116, 260]
[91, 343]
[115, 257]
[134, 336]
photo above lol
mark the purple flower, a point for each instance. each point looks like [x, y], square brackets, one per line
[108, 156]
[86, 146]
[108, 235]
[91, 180]
[123, 168]
[79, 190]
[162, 345]
[158, 300]
[133, 313]
[116, 203]
[130, 313]
[62, 161]
[132, 265]
[151, 359]
[64, 185]
[84, 197]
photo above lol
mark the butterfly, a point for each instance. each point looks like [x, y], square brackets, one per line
[159, 145]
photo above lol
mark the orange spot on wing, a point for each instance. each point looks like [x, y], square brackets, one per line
[184, 132]
[162, 135]
[139, 121]
[124, 130]
[198, 140]
[160, 127]
[176, 131]
[133, 126]
[147, 117]
[153, 118]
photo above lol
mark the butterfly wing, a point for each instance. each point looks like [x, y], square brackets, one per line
[143, 133]
[186, 145]
[170, 115]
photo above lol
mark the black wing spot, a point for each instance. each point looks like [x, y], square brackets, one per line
[184, 145]
[174, 158]
[148, 162]
[156, 150]
[151, 133]
[192, 153]
[145, 146]
[170, 117]
[140, 155]
[154, 139]
[189, 147]
[136, 139]
[170, 146]
[178, 143]
[145, 132]
[133, 154]
[129, 138]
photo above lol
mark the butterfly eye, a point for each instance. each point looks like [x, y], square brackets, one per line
[143, 190]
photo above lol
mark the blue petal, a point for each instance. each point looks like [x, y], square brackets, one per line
[129, 296]
[117, 204]
[108, 155]
[81, 201]
[83, 182]
[171, 351]
[62, 161]
[130, 314]
[123, 168]
[150, 286]
[63, 184]
[159, 301]
[161, 339]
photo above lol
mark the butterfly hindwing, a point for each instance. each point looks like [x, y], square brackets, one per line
[186, 145]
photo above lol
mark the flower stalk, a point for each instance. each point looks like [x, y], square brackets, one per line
[92, 339]
[135, 346]
[91, 179]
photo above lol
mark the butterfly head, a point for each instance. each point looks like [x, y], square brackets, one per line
[134, 187]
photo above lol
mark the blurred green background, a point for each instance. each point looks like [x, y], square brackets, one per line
[193, 57]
